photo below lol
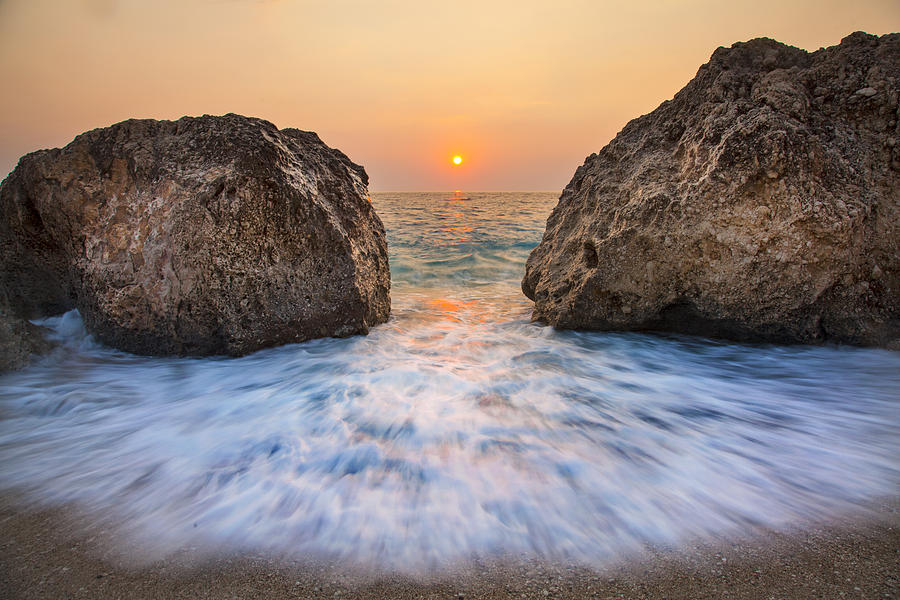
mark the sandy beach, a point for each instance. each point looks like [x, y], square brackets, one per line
[45, 554]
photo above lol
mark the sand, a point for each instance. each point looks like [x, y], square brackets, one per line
[45, 553]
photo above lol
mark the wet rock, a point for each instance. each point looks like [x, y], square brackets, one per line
[761, 203]
[19, 339]
[209, 235]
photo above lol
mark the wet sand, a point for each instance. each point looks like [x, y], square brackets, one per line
[48, 554]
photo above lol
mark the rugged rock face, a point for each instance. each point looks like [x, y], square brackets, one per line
[210, 235]
[761, 203]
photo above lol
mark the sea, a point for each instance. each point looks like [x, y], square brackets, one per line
[459, 430]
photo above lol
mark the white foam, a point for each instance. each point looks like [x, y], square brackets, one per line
[444, 435]
[456, 429]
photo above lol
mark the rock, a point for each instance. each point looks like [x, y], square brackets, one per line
[209, 235]
[754, 205]
[19, 339]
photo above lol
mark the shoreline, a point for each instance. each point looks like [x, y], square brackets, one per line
[46, 554]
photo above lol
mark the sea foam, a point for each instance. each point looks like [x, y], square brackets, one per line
[458, 429]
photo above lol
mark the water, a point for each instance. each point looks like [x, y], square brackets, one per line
[458, 429]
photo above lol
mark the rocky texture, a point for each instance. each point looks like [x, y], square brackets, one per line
[19, 339]
[210, 235]
[761, 203]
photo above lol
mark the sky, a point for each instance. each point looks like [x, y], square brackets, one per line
[522, 91]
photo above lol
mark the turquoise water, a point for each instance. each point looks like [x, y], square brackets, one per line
[458, 429]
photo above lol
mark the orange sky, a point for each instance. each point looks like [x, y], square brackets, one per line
[523, 91]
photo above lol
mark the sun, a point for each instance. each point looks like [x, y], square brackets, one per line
[457, 160]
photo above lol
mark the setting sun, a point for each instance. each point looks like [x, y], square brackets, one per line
[457, 160]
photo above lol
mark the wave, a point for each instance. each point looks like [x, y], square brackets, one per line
[456, 430]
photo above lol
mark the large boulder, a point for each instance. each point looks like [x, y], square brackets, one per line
[761, 203]
[209, 235]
